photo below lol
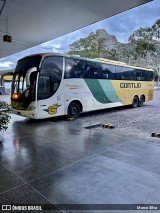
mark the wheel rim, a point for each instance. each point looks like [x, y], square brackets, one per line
[141, 101]
[135, 102]
[74, 111]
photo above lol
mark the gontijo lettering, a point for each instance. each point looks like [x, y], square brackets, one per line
[130, 85]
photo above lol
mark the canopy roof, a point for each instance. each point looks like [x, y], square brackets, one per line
[33, 22]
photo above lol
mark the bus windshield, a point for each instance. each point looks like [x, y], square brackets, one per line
[27, 63]
[20, 90]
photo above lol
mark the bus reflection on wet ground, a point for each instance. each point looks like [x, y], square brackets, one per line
[60, 162]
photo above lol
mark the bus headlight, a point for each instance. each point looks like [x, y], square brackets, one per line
[15, 96]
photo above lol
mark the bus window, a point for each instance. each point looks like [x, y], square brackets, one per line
[68, 67]
[121, 73]
[44, 85]
[50, 76]
[148, 75]
[74, 68]
[98, 71]
[90, 68]
[108, 71]
[138, 75]
[143, 75]
[52, 66]
[151, 76]
[131, 74]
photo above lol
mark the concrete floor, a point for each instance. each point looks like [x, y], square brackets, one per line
[59, 162]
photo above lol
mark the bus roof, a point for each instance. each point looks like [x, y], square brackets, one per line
[101, 60]
[119, 63]
[108, 61]
[112, 62]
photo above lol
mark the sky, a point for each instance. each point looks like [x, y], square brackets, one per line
[121, 25]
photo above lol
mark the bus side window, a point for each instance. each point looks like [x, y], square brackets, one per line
[50, 76]
[138, 75]
[77, 69]
[73, 68]
[44, 87]
[98, 71]
[132, 74]
[149, 75]
[112, 72]
[106, 74]
[68, 67]
[87, 70]
[119, 72]
[143, 75]
[108, 71]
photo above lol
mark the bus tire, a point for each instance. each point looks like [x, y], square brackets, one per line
[73, 110]
[135, 102]
[141, 101]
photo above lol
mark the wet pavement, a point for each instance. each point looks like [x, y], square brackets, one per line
[58, 162]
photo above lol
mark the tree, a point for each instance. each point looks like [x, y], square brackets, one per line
[142, 49]
[143, 44]
[126, 53]
[156, 30]
[111, 54]
[156, 36]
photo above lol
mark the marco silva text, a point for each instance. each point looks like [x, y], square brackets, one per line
[147, 207]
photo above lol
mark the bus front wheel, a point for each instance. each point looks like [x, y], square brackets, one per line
[73, 110]
[135, 102]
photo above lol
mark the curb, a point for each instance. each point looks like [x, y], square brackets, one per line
[155, 134]
[109, 126]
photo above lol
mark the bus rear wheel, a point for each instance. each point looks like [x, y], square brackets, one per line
[73, 110]
[141, 101]
[135, 102]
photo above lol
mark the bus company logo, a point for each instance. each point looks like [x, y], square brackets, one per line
[52, 109]
[73, 86]
[6, 207]
[130, 85]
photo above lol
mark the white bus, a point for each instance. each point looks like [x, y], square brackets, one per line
[49, 85]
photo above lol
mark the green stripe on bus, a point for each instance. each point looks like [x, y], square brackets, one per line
[97, 91]
[109, 90]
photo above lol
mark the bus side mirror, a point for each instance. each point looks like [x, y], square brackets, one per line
[34, 69]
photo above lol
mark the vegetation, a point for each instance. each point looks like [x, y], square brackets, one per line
[142, 49]
[145, 44]
[92, 46]
[4, 116]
